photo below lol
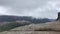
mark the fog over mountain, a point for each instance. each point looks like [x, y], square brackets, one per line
[34, 8]
[6, 18]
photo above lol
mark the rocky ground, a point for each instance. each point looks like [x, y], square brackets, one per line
[30, 32]
[47, 28]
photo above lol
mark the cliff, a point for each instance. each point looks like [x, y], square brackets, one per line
[58, 18]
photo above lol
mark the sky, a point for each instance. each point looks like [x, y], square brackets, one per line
[34, 8]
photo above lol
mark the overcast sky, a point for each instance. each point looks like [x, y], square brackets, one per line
[34, 8]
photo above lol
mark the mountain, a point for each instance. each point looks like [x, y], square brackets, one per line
[49, 26]
[10, 22]
[6, 18]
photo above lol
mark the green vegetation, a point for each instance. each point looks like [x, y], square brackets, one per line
[12, 25]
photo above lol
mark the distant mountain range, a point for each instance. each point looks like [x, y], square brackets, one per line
[10, 22]
[6, 18]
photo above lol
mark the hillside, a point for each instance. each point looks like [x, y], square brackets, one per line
[49, 26]
[10, 22]
[38, 27]
[42, 28]
[46, 28]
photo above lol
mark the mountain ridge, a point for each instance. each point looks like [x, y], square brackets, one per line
[7, 18]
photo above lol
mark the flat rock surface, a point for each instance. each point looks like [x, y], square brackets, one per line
[30, 32]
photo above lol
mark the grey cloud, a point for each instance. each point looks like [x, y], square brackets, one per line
[20, 5]
[29, 7]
